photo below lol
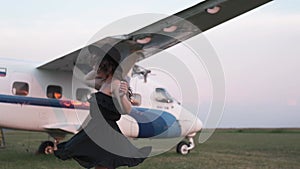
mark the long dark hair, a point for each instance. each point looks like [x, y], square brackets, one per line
[109, 65]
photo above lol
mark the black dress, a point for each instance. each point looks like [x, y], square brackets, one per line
[100, 142]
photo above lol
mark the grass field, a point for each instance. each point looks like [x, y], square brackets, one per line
[236, 148]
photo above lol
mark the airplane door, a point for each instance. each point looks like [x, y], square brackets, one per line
[39, 115]
[22, 88]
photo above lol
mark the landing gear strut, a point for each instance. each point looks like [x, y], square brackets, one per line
[184, 147]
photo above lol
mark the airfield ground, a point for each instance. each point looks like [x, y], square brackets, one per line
[230, 148]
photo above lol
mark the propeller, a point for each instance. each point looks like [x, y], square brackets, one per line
[139, 70]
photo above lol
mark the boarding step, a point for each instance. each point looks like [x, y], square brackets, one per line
[2, 139]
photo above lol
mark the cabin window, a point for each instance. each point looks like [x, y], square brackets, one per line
[54, 92]
[82, 94]
[20, 88]
[161, 95]
[2, 72]
[136, 99]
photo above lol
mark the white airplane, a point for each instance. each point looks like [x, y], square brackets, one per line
[44, 98]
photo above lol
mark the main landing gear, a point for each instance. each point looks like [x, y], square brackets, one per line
[48, 147]
[184, 147]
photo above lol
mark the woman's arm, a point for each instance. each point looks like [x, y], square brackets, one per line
[91, 75]
[91, 80]
[126, 104]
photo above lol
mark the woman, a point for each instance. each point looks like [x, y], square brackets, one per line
[100, 143]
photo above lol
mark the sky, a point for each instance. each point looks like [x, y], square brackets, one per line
[258, 51]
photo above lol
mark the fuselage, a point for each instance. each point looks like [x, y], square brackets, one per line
[47, 100]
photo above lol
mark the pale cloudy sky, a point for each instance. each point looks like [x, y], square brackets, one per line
[260, 55]
[259, 51]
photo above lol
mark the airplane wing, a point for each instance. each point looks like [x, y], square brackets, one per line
[162, 34]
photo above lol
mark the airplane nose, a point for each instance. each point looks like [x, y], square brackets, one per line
[189, 122]
[196, 127]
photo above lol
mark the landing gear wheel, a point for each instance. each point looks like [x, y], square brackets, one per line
[46, 147]
[183, 148]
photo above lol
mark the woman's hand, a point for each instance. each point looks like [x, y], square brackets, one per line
[123, 88]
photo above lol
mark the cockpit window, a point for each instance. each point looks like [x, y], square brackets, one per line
[161, 95]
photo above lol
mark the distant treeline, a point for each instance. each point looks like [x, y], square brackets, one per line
[260, 130]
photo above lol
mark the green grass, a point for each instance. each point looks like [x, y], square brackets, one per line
[236, 148]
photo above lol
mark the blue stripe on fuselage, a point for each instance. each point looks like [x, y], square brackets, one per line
[155, 123]
[24, 100]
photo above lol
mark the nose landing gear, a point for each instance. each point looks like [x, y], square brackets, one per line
[184, 147]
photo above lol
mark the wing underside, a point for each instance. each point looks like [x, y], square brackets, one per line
[161, 34]
[62, 127]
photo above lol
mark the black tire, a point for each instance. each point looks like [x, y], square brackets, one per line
[182, 148]
[44, 147]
